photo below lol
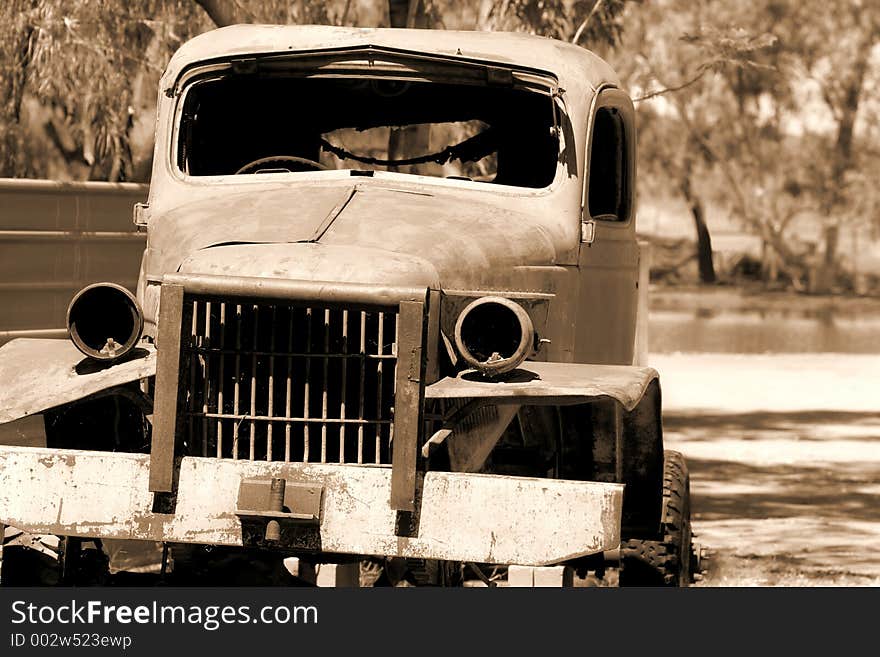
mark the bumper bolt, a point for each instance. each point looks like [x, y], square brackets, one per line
[276, 503]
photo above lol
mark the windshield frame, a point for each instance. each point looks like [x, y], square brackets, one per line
[378, 64]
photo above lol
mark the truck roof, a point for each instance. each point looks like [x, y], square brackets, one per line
[578, 70]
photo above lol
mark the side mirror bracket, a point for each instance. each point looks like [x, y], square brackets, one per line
[588, 231]
[139, 215]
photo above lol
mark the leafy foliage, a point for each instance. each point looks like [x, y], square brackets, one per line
[84, 63]
[769, 111]
[82, 73]
[594, 22]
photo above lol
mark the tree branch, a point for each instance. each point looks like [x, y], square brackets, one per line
[222, 12]
[668, 90]
[344, 18]
[579, 32]
[105, 51]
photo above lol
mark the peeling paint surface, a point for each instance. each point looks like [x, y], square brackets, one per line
[38, 374]
[469, 517]
[492, 232]
[313, 262]
[558, 383]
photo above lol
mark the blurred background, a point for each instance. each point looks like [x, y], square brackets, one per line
[758, 144]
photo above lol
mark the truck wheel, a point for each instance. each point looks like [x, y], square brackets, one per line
[666, 562]
[44, 560]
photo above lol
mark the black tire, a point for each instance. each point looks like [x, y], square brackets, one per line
[65, 565]
[665, 562]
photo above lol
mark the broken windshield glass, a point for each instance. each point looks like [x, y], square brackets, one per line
[267, 124]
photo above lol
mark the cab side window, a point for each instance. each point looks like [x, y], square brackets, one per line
[609, 195]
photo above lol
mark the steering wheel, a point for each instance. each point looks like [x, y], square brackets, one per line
[304, 163]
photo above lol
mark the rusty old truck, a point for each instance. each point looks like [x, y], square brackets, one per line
[388, 312]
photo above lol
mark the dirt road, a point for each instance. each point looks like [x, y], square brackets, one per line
[784, 454]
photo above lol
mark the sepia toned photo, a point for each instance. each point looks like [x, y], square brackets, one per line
[437, 293]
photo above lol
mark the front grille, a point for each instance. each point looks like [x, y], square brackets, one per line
[287, 382]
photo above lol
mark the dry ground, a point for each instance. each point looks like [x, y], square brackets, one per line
[784, 454]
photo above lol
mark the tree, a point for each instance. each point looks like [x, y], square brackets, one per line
[16, 50]
[664, 57]
[76, 72]
[79, 76]
[596, 23]
[733, 82]
[832, 50]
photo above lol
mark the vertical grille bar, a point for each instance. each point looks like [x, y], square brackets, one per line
[363, 372]
[169, 378]
[408, 405]
[221, 381]
[271, 402]
[237, 386]
[379, 351]
[394, 383]
[306, 380]
[252, 435]
[344, 385]
[324, 386]
[288, 392]
[193, 365]
[206, 396]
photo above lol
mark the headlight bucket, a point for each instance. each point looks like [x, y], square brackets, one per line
[494, 335]
[104, 321]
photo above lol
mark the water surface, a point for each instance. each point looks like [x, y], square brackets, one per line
[761, 332]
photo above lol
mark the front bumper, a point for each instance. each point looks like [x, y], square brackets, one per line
[458, 516]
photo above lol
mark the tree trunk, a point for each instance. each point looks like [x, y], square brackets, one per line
[769, 263]
[828, 268]
[398, 11]
[704, 244]
[407, 13]
[705, 264]
[843, 160]
[12, 90]
[484, 15]
[222, 12]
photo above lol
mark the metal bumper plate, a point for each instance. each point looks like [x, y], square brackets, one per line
[466, 517]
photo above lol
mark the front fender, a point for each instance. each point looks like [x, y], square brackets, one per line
[556, 384]
[39, 374]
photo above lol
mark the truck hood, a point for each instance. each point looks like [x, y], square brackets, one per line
[445, 232]
[314, 262]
